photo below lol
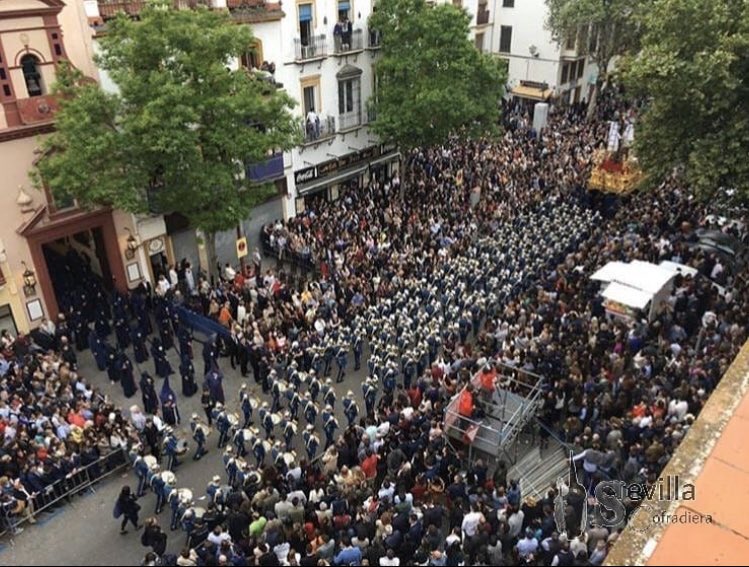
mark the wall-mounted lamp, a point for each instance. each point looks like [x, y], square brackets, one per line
[29, 280]
[132, 245]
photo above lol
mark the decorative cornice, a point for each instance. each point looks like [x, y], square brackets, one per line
[26, 131]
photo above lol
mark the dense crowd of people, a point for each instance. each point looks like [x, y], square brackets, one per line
[481, 254]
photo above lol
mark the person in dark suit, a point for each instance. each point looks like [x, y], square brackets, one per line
[129, 508]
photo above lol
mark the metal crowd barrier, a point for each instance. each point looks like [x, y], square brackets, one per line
[79, 480]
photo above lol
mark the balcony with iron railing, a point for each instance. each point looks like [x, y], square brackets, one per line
[349, 121]
[348, 43]
[375, 39]
[482, 17]
[322, 128]
[310, 48]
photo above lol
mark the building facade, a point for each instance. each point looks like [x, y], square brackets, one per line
[538, 67]
[323, 55]
[35, 229]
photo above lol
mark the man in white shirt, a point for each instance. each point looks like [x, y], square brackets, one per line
[528, 545]
[163, 286]
[218, 536]
[390, 558]
[471, 522]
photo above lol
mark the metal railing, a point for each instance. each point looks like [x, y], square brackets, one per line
[346, 43]
[375, 39]
[75, 482]
[349, 120]
[313, 47]
[371, 114]
[322, 128]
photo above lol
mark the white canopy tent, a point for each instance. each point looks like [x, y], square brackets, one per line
[631, 286]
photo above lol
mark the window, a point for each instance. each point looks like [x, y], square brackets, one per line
[570, 43]
[253, 57]
[344, 10]
[508, 3]
[349, 103]
[505, 39]
[32, 76]
[458, 3]
[565, 72]
[573, 70]
[479, 41]
[305, 23]
[580, 67]
[309, 99]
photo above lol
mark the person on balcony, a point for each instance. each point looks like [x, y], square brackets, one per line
[348, 31]
[338, 36]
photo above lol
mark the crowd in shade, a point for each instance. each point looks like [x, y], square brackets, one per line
[475, 259]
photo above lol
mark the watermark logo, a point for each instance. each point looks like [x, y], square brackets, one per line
[616, 503]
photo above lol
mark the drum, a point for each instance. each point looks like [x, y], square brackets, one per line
[169, 477]
[282, 386]
[247, 435]
[276, 418]
[289, 458]
[184, 495]
[199, 512]
[233, 419]
[254, 403]
[181, 447]
[150, 460]
[267, 445]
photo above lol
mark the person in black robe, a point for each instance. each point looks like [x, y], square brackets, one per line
[169, 409]
[102, 325]
[165, 332]
[163, 368]
[126, 375]
[122, 333]
[210, 354]
[214, 380]
[148, 391]
[187, 371]
[102, 305]
[185, 342]
[98, 350]
[80, 331]
[144, 323]
[113, 368]
[139, 345]
[68, 352]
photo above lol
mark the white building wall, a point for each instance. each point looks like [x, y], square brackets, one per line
[528, 21]
[293, 74]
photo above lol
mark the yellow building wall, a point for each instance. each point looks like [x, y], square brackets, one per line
[16, 160]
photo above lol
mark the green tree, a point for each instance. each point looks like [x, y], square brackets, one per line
[432, 81]
[694, 70]
[602, 30]
[178, 134]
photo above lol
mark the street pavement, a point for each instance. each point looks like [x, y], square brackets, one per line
[84, 532]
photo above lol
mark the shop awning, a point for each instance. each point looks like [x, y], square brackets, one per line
[532, 93]
[383, 159]
[331, 179]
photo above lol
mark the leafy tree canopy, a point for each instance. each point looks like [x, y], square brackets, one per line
[694, 70]
[177, 135]
[602, 29]
[432, 81]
